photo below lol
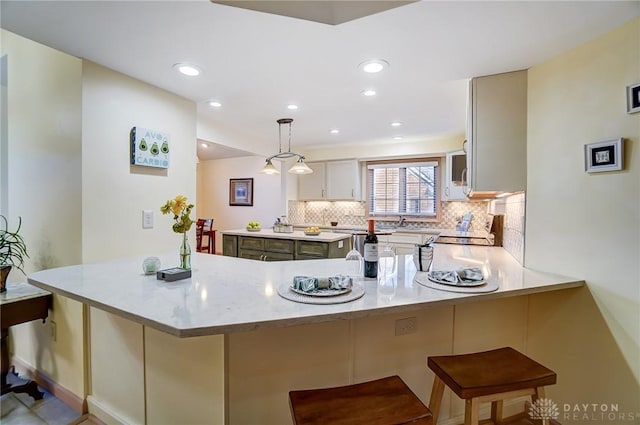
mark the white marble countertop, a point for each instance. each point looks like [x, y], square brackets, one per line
[324, 236]
[229, 294]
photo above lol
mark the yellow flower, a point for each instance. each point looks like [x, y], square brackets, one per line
[181, 213]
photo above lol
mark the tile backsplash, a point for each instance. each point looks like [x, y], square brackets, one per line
[513, 233]
[352, 213]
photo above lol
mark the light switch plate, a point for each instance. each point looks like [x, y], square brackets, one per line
[147, 219]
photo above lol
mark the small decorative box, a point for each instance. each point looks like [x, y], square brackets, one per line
[176, 273]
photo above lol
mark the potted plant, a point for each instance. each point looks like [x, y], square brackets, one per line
[13, 251]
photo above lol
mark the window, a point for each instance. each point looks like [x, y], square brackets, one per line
[403, 188]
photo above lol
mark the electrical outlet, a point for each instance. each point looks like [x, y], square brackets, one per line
[54, 330]
[406, 326]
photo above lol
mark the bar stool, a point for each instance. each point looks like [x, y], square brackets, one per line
[489, 376]
[386, 401]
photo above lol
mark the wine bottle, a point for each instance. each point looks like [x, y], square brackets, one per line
[371, 252]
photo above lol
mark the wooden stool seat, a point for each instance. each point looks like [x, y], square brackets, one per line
[493, 376]
[386, 401]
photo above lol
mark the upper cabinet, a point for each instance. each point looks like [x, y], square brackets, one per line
[331, 180]
[497, 137]
[455, 179]
[313, 186]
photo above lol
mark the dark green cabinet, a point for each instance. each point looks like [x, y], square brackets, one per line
[279, 249]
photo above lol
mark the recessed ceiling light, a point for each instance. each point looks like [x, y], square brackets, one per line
[292, 107]
[369, 92]
[334, 131]
[215, 104]
[397, 138]
[373, 66]
[187, 69]
[204, 145]
[396, 124]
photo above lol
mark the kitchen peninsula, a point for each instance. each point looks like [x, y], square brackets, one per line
[251, 346]
[267, 245]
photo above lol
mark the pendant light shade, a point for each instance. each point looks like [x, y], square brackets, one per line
[269, 168]
[299, 167]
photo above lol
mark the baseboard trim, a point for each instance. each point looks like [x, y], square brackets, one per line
[87, 417]
[104, 413]
[43, 380]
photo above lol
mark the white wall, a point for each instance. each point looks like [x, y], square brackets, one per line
[587, 225]
[268, 198]
[43, 186]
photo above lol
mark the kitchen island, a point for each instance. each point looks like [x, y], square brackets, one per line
[231, 348]
[267, 245]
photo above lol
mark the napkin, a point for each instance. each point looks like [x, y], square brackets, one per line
[311, 283]
[473, 274]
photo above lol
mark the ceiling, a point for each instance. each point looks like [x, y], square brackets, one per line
[256, 63]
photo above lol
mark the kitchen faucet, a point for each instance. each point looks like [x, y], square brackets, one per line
[401, 220]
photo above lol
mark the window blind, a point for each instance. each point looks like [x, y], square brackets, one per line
[403, 188]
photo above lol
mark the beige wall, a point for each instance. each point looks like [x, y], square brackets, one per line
[114, 195]
[587, 225]
[43, 186]
[430, 146]
[213, 190]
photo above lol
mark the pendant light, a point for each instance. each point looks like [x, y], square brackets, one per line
[299, 167]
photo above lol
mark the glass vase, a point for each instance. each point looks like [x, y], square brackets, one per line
[185, 253]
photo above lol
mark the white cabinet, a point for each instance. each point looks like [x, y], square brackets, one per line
[343, 180]
[313, 186]
[455, 180]
[497, 137]
[331, 180]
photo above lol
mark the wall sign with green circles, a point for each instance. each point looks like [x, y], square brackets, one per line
[149, 148]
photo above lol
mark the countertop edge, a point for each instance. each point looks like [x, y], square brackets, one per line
[330, 317]
[306, 320]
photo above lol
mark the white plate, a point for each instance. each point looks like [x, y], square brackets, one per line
[252, 229]
[322, 292]
[444, 282]
[312, 233]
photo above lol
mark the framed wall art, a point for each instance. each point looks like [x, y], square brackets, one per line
[603, 156]
[241, 192]
[149, 148]
[633, 98]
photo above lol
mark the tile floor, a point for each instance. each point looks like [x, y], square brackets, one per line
[22, 409]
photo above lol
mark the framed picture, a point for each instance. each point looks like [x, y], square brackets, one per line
[241, 192]
[603, 156]
[633, 98]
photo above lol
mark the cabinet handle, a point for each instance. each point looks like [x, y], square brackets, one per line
[353, 193]
[446, 190]
[322, 196]
[467, 188]
[464, 146]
